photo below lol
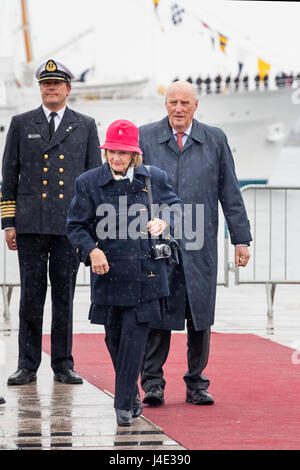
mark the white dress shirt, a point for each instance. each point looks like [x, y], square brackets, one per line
[185, 136]
[57, 118]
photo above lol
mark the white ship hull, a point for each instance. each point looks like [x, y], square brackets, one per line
[257, 123]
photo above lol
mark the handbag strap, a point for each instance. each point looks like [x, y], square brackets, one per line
[171, 240]
[149, 191]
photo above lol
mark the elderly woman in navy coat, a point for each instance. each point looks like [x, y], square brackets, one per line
[129, 286]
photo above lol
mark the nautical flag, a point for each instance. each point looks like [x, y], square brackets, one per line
[240, 68]
[156, 2]
[263, 68]
[206, 26]
[177, 13]
[223, 41]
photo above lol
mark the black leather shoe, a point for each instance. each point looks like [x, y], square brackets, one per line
[124, 417]
[22, 377]
[68, 376]
[137, 407]
[198, 397]
[2, 401]
[154, 396]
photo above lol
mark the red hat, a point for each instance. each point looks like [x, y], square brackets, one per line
[122, 135]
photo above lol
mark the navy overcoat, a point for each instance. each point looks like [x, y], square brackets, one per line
[134, 276]
[202, 173]
[39, 172]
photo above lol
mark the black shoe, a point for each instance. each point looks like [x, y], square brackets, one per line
[124, 417]
[198, 397]
[137, 407]
[68, 376]
[22, 377]
[2, 401]
[154, 396]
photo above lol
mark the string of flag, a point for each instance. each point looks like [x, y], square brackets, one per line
[178, 14]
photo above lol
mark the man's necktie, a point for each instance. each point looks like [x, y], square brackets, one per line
[179, 136]
[51, 124]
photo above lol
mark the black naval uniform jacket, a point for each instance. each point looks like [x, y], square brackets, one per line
[134, 277]
[39, 173]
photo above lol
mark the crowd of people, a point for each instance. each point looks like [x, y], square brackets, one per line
[220, 84]
[55, 210]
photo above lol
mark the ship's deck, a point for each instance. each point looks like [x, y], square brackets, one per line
[48, 415]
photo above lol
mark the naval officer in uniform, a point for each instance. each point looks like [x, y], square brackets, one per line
[46, 150]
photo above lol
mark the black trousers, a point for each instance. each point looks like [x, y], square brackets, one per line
[35, 253]
[157, 350]
[126, 342]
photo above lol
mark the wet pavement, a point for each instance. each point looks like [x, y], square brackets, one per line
[47, 415]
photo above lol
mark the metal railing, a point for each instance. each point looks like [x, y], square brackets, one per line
[9, 269]
[10, 278]
[273, 212]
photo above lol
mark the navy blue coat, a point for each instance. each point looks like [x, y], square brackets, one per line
[202, 173]
[39, 173]
[134, 276]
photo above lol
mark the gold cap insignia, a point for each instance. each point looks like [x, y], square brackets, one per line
[51, 66]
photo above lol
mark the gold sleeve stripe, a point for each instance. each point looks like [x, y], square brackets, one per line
[8, 212]
[8, 208]
[10, 203]
[4, 211]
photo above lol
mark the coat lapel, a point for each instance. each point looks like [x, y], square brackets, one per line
[68, 123]
[165, 134]
[40, 123]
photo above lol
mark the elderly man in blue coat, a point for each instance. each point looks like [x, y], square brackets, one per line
[200, 166]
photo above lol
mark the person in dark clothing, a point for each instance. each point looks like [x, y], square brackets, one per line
[246, 82]
[46, 149]
[218, 81]
[257, 81]
[201, 170]
[129, 285]
[199, 84]
[208, 85]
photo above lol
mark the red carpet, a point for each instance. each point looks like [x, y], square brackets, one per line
[255, 385]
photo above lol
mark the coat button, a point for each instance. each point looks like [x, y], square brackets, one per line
[61, 170]
[45, 170]
[61, 196]
[77, 250]
[61, 183]
[46, 156]
[61, 157]
[45, 182]
[44, 195]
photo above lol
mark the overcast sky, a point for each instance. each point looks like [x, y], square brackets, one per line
[129, 40]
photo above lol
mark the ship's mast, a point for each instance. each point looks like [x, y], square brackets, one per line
[26, 31]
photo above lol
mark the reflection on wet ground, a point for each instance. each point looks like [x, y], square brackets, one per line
[51, 415]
